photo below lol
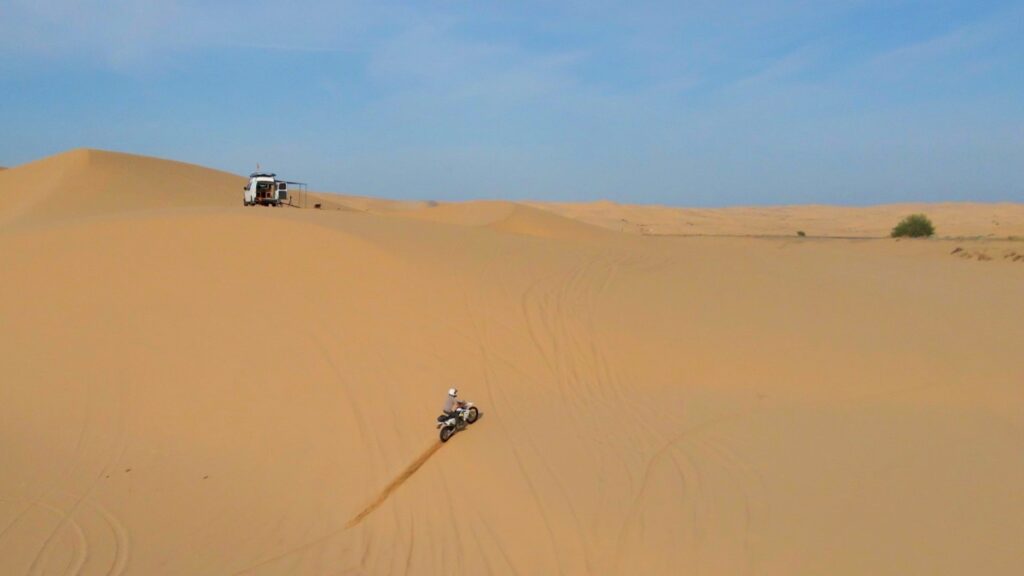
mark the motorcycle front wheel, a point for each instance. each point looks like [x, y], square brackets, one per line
[472, 414]
[446, 433]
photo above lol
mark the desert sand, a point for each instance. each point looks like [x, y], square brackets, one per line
[194, 387]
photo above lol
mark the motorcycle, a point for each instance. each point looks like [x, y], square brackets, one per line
[464, 415]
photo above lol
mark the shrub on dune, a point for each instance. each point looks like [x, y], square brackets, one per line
[914, 226]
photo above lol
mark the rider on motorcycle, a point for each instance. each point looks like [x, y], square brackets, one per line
[452, 404]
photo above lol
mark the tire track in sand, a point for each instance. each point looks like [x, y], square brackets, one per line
[395, 483]
[382, 497]
[122, 543]
[117, 451]
[479, 333]
[73, 461]
[80, 550]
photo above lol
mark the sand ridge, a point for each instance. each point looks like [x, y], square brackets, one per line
[197, 388]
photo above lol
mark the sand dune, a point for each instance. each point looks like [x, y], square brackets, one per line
[194, 387]
[350, 203]
[507, 217]
[92, 182]
[952, 219]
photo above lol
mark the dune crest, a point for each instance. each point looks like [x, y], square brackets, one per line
[86, 182]
[505, 217]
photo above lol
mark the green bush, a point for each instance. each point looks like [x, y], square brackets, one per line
[801, 233]
[914, 226]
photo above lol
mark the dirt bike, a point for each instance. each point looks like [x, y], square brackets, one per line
[449, 424]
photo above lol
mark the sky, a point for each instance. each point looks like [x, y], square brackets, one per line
[705, 103]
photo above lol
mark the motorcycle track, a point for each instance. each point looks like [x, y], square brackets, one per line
[395, 483]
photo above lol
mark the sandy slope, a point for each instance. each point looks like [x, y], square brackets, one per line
[228, 390]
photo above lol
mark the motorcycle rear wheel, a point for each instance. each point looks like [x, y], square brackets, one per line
[446, 433]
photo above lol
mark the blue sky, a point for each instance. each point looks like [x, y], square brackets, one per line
[689, 103]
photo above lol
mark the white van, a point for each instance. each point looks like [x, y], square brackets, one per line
[265, 189]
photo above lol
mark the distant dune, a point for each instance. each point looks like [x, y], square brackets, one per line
[952, 219]
[196, 387]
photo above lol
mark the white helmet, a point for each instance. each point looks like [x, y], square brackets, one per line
[453, 392]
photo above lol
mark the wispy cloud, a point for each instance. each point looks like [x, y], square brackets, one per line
[115, 31]
[783, 68]
[138, 33]
[966, 38]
